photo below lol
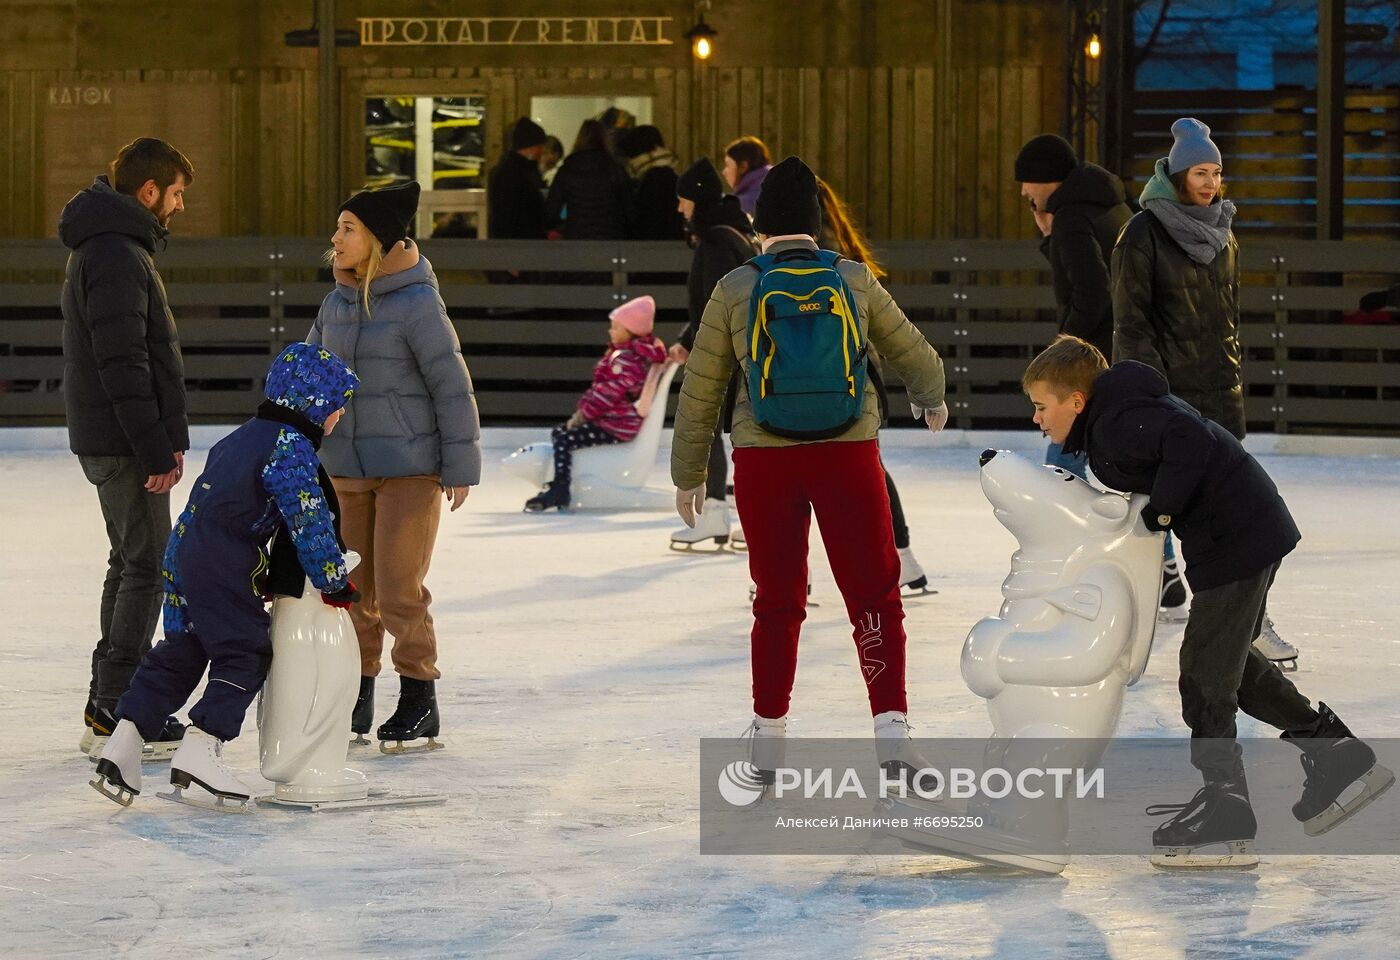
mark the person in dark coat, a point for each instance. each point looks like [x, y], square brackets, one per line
[514, 190]
[1080, 210]
[261, 480]
[591, 192]
[722, 236]
[1235, 530]
[652, 166]
[124, 395]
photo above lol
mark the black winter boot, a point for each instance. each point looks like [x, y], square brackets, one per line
[553, 497]
[1333, 761]
[1218, 816]
[363, 717]
[416, 718]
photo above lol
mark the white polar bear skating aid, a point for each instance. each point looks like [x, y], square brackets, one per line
[1074, 632]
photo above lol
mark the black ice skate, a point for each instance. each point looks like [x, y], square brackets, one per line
[101, 723]
[1214, 829]
[415, 719]
[1172, 607]
[555, 496]
[363, 717]
[1342, 775]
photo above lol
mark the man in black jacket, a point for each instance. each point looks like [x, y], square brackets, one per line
[514, 189]
[1235, 531]
[124, 392]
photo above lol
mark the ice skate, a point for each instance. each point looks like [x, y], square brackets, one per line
[912, 580]
[1172, 607]
[900, 760]
[736, 536]
[711, 525]
[163, 747]
[363, 717]
[1215, 828]
[1278, 650]
[767, 747]
[555, 496]
[415, 719]
[1341, 774]
[200, 760]
[119, 766]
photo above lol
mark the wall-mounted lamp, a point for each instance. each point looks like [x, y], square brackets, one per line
[701, 37]
[1093, 49]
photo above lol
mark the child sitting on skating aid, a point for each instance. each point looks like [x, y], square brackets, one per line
[1234, 531]
[262, 477]
[607, 411]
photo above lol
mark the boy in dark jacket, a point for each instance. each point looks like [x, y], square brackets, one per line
[263, 477]
[1234, 530]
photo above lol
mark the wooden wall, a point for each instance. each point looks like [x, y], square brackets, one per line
[914, 109]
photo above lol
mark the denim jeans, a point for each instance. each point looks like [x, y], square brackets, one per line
[138, 526]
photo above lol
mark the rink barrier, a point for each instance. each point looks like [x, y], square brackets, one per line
[987, 305]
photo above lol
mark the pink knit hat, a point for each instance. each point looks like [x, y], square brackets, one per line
[636, 316]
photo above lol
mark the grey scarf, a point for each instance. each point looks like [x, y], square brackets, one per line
[1201, 231]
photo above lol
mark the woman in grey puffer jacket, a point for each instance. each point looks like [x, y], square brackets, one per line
[410, 435]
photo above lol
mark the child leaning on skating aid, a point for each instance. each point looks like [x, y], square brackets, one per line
[263, 476]
[607, 411]
[1234, 531]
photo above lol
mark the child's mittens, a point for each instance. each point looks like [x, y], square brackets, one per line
[343, 597]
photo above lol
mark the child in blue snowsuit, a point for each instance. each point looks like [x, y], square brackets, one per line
[261, 478]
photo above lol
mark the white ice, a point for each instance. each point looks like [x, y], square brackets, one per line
[581, 664]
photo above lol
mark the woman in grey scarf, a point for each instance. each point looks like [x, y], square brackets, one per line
[1176, 280]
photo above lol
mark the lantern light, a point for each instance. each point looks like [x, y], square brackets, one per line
[701, 37]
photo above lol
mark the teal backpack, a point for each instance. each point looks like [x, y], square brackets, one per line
[806, 366]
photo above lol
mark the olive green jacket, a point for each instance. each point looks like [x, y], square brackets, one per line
[720, 344]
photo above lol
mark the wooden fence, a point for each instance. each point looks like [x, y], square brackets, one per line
[986, 305]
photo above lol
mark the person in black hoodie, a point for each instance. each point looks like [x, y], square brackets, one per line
[1235, 530]
[591, 192]
[722, 236]
[124, 394]
[514, 190]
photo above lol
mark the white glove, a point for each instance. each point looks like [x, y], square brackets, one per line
[936, 418]
[688, 503]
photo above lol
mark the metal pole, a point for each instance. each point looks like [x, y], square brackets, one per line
[328, 98]
[1331, 116]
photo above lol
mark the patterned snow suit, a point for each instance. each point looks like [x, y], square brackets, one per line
[259, 477]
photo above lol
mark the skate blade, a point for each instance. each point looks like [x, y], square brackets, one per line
[1236, 854]
[1172, 614]
[1374, 782]
[216, 803]
[907, 594]
[413, 746]
[359, 740]
[700, 546]
[1287, 666]
[117, 793]
[962, 848]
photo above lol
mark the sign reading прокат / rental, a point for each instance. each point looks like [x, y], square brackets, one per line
[512, 31]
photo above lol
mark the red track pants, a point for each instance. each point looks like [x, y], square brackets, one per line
[777, 489]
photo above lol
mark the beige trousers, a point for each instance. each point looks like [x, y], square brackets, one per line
[391, 522]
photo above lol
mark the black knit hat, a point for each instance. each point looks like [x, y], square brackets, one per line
[701, 183]
[788, 202]
[1045, 159]
[386, 213]
[527, 133]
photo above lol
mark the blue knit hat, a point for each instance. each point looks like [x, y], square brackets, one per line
[1193, 145]
[308, 378]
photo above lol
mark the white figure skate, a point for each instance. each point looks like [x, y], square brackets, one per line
[913, 582]
[119, 766]
[711, 525]
[200, 760]
[1275, 648]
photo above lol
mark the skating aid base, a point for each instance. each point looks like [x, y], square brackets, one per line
[1237, 854]
[413, 746]
[376, 798]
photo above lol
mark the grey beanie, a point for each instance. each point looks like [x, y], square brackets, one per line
[1193, 145]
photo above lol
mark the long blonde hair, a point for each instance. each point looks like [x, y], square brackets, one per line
[372, 265]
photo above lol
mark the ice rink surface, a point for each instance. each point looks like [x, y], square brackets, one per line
[582, 661]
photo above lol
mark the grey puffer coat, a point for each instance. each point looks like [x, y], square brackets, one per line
[414, 413]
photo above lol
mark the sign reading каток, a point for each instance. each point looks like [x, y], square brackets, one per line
[512, 31]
